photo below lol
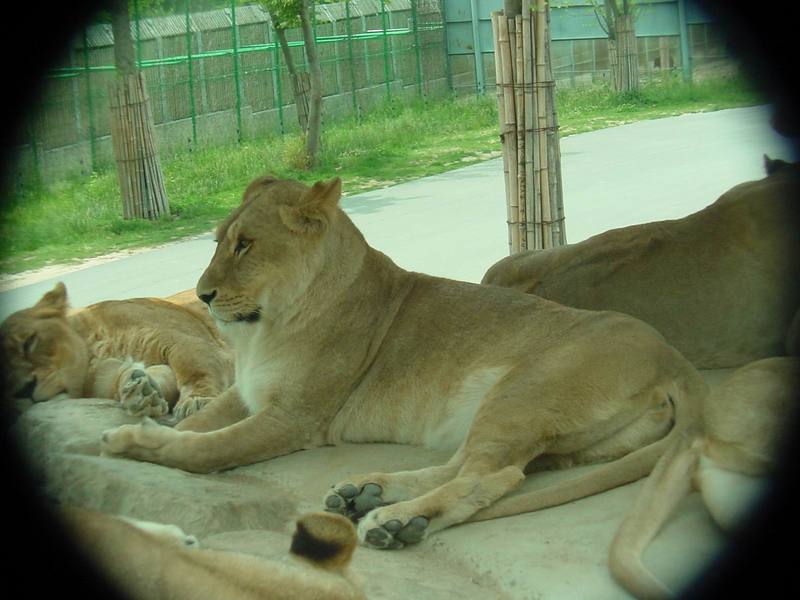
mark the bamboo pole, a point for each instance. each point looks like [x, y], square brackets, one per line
[541, 123]
[501, 116]
[528, 128]
[532, 233]
[509, 139]
[554, 149]
[519, 103]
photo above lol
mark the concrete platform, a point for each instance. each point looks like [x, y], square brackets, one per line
[451, 225]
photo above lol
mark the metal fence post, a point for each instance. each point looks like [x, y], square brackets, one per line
[191, 75]
[235, 40]
[276, 74]
[385, 51]
[478, 52]
[89, 102]
[447, 70]
[415, 24]
[349, 30]
[686, 54]
[138, 34]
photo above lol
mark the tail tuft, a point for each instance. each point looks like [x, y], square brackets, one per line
[327, 540]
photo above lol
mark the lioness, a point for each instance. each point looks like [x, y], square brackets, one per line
[150, 561]
[727, 458]
[335, 343]
[722, 285]
[150, 354]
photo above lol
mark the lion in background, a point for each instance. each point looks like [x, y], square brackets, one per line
[729, 457]
[722, 285]
[151, 355]
[335, 343]
[151, 561]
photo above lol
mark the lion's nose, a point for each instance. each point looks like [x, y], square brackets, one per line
[26, 391]
[207, 298]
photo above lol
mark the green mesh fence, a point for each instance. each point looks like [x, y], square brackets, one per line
[218, 76]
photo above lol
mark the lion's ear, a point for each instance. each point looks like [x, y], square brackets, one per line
[315, 208]
[54, 303]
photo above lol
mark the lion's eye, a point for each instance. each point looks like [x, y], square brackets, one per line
[241, 246]
[30, 344]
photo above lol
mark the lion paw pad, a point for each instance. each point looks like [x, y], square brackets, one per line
[394, 534]
[354, 502]
[140, 396]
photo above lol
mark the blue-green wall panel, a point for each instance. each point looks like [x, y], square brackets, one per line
[568, 21]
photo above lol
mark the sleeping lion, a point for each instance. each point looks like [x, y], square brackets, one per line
[722, 285]
[150, 561]
[335, 343]
[151, 355]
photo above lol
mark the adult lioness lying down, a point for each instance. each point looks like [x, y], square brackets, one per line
[335, 343]
[722, 285]
[150, 354]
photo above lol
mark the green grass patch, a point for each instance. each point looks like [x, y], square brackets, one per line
[81, 218]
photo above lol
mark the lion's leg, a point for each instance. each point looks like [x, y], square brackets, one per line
[475, 487]
[226, 410]
[258, 437]
[358, 495]
[202, 376]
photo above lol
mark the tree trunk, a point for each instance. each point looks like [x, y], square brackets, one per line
[314, 131]
[623, 55]
[132, 134]
[300, 80]
[511, 8]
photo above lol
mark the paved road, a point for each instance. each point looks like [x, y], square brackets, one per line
[453, 224]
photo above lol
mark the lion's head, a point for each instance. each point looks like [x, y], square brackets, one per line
[43, 355]
[280, 240]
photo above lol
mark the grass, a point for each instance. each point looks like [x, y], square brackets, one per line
[80, 218]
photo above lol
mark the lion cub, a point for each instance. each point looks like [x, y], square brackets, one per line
[727, 458]
[151, 560]
[150, 354]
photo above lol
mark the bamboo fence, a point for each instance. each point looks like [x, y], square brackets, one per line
[528, 128]
[132, 136]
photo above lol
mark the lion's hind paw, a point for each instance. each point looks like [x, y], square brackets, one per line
[392, 534]
[140, 396]
[354, 502]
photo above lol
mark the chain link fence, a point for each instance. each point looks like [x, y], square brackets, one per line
[218, 76]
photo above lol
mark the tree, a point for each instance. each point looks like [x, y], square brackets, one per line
[132, 133]
[286, 14]
[617, 18]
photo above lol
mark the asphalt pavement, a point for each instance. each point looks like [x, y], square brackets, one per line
[454, 224]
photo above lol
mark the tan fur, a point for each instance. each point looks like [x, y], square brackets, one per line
[722, 285]
[335, 343]
[727, 459]
[150, 354]
[150, 561]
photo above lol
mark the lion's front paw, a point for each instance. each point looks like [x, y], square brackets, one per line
[140, 396]
[144, 441]
[383, 530]
[354, 501]
[189, 405]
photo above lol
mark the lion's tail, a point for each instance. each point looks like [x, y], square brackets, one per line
[326, 540]
[670, 481]
[632, 466]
